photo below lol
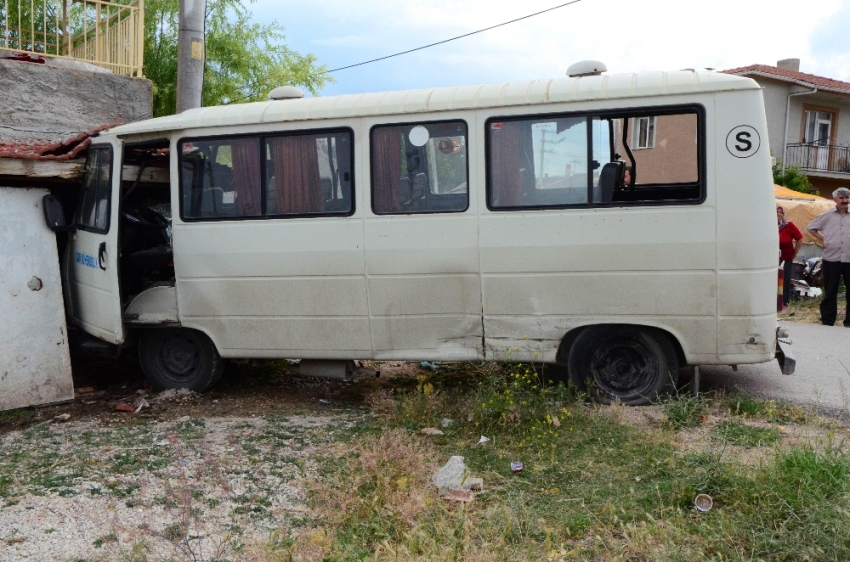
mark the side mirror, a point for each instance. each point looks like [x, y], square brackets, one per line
[54, 214]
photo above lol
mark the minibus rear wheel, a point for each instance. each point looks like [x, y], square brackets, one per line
[179, 358]
[632, 365]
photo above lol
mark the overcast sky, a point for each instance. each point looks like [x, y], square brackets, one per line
[627, 35]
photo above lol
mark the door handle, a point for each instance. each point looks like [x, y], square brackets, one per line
[102, 256]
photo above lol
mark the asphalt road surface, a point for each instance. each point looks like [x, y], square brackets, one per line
[822, 377]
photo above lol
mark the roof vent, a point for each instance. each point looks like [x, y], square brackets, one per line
[286, 93]
[586, 68]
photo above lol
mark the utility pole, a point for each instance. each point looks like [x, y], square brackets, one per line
[190, 54]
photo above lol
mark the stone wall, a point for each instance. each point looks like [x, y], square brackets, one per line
[41, 101]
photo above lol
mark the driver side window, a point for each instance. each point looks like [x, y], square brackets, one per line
[93, 213]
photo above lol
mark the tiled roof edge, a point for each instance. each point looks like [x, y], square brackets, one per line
[70, 148]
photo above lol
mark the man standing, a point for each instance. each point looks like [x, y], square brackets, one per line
[833, 229]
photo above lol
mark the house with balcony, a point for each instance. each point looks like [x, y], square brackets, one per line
[808, 121]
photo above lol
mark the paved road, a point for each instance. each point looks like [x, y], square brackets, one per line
[821, 379]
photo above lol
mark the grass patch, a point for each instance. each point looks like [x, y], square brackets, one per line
[685, 410]
[803, 310]
[592, 487]
[738, 433]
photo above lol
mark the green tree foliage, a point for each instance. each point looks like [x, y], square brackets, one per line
[244, 61]
[792, 179]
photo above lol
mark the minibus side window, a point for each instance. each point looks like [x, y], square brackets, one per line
[664, 147]
[309, 174]
[93, 213]
[221, 178]
[538, 162]
[636, 156]
[419, 168]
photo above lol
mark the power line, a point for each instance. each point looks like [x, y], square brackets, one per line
[452, 39]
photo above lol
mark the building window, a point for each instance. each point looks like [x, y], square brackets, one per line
[818, 127]
[644, 132]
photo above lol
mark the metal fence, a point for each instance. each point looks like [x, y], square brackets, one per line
[107, 34]
[822, 157]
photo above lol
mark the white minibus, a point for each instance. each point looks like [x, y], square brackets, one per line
[621, 226]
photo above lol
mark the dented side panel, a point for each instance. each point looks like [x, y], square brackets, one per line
[157, 305]
[423, 272]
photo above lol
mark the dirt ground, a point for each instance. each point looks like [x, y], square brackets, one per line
[251, 388]
[186, 477]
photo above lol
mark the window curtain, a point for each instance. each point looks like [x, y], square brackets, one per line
[505, 180]
[246, 175]
[386, 169]
[297, 180]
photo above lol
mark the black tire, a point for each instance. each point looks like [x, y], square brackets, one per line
[631, 365]
[179, 358]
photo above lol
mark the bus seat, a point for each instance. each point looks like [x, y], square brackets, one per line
[211, 201]
[610, 179]
[419, 189]
[404, 194]
[327, 189]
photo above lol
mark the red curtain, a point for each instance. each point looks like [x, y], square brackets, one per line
[386, 169]
[505, 181]
[296, 170]
[246, 175]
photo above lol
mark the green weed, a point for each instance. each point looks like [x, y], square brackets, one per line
[685, 410]
[735, 432]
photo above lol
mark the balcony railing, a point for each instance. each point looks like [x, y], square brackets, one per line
[107, 34]
[819, 157]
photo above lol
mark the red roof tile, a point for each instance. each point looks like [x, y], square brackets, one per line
[790, 75]
[45, 150]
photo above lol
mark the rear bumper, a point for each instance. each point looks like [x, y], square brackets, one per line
[787, 363]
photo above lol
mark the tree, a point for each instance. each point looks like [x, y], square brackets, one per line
[244, 61]
[792, 179]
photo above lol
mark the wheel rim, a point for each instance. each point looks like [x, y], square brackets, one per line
[622, 366]
[180, 357]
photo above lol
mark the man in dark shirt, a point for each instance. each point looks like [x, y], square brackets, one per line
[832, 227]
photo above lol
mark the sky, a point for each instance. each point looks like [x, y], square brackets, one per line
[626, 35]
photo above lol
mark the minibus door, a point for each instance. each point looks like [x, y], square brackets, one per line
[92, 257]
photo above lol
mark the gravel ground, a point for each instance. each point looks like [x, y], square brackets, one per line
[188, 488]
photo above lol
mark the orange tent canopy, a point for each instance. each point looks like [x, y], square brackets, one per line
[780, 191]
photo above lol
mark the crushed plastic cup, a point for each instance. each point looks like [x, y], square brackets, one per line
[703, 502]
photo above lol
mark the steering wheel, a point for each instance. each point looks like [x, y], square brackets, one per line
[145, 218]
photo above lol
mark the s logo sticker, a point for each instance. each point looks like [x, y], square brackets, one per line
[743, 141]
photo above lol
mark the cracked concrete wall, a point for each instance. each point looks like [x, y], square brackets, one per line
[39, 101]
[35, 365]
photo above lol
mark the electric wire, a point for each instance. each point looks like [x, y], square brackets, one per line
[452, 39]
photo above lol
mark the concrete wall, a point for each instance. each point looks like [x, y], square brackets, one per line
[54, 104]
[775, 96]
[35, 365]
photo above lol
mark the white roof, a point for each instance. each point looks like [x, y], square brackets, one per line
[446, 99]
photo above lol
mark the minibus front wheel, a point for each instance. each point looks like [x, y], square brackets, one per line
[179, 358]
[631, 365]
